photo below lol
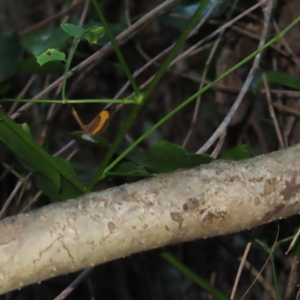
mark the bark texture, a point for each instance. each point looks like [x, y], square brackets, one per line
[216, 199]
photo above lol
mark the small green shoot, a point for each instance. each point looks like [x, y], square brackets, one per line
[92, 34]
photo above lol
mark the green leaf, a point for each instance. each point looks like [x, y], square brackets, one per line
[189, 8]
[220, 7]
[29, 155]
[50, 55]
[34, 158]
[10, 54]
[47, 187]
[31, 66]
[41, 40]
[95, 140]
[66, 192]
[281, 78]
[238, 153]
[65, 165]
[73, 30]
[69, 190]
[115, 28]
[216, 294]
[128, 169]
[164, 157]
[93, 34]
[135, 156]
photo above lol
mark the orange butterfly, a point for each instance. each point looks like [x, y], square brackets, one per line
[96, 125]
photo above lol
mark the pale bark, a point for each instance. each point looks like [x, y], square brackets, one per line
[210, 200]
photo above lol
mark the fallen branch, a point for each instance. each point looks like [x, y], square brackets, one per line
[220, 198]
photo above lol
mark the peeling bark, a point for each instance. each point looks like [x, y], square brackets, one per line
[216, 199]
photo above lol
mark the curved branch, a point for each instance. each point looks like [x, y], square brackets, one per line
[220, 198]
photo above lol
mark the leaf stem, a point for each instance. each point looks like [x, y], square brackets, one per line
[116, 48]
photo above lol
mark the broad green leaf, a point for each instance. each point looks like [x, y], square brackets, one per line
[47, 187]
[161, 158]
[66, 165]
[66, 192]
[31, 66]
[93, 34]
[73, 30]
[27, 151]
[164, 157]
[10, 54]
[238, 153]
[50, 55]
[41, 40]
[70, 191]
[135, 155]
[34, 158]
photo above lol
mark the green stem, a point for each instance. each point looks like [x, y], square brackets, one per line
[276, 287]
[192, 98]
[68, 64]
[116, 48]
[101, 171]
[74, 101]
[176, 48]
[193, 276]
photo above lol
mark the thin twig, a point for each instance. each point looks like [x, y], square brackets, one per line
[22, 93]
[291, 110]
[272, 112]
[223, 126]
[12, 194]
[219, 146]
[207, 63]
[74, 284]
[265, 264]
[296, 236]
[292, 278]
[187, 52]
[287, 46]
[241, 266]
[220, 29]
[51, 19]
